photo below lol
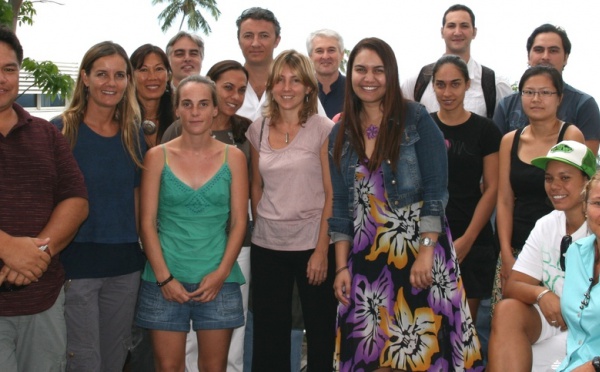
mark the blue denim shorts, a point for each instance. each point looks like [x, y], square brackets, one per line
[154, 312]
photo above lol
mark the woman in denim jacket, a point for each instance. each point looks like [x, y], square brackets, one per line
[402, 303]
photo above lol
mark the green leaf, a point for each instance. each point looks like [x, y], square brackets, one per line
[48, 78]
[6, 14]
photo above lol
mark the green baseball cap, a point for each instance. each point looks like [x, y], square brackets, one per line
[572, 153]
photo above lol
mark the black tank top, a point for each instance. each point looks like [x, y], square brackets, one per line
[531, 201]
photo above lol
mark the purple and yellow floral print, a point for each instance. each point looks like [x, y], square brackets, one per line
[388, 322]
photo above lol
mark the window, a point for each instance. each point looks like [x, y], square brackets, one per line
[27, 100]
[40, 101]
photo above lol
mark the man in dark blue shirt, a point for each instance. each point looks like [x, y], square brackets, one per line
[326, 50]
[549, 45]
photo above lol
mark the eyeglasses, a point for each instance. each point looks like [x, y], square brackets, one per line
[564, 245]
[540, 93]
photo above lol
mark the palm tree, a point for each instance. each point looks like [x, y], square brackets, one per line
[195, 20]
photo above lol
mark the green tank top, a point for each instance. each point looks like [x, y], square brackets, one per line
[191, 225]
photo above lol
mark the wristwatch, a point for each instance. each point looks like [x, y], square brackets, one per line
[596, 363]
[427, 242]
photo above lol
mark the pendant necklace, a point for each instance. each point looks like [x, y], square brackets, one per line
[372, 131]
[149, 127]
[287, 137]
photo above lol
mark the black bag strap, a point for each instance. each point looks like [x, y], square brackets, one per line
[423, 79]
[488, 85]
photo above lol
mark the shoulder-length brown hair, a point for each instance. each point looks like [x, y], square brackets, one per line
[393, 106]
[127, 112]
[303, 68]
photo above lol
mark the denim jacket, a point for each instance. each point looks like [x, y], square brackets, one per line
[421, 174]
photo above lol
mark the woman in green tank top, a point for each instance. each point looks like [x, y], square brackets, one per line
[191, 187]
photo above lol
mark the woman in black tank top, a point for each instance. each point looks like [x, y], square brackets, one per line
[521, 196]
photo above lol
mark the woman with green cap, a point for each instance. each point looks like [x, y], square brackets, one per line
[530, 311]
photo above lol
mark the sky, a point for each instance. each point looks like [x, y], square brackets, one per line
[63, 33]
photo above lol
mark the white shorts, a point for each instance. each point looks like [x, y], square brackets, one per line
[548, 330]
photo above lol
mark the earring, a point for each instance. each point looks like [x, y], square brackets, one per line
[306, 98]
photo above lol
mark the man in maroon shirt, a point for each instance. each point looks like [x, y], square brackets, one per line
[43, 201]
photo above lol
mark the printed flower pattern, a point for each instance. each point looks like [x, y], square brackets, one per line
[364, 229]
[411, 338]
[397, 233]
[365, 316]
[388, 323]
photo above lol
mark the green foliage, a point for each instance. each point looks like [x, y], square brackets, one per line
[344, 61]
[48, 78]
[45, 74]
[6, 14]
[187, 8]
[26, 13]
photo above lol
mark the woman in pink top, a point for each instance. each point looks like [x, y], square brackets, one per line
[291, 201]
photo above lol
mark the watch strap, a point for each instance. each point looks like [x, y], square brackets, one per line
[596, 363]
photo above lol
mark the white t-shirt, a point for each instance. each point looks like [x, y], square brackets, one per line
[540, 257]
[474, 99]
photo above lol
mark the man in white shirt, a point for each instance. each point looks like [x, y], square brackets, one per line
[258, 36]
[458, 31]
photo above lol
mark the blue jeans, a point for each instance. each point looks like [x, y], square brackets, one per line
[155, 312]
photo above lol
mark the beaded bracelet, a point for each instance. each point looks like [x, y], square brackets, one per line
[341, 269]
[165, 282]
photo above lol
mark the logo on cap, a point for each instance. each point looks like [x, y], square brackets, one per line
[561, 147]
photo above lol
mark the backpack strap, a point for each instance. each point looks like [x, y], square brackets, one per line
[423, 79]
[488, 85]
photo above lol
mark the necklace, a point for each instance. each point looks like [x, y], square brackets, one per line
[586, 296]
[149, 127]
[372, 131]
[289, 130]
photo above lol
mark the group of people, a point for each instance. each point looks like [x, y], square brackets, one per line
[181, 202]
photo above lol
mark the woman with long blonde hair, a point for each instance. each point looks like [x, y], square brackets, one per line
[104, 261]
